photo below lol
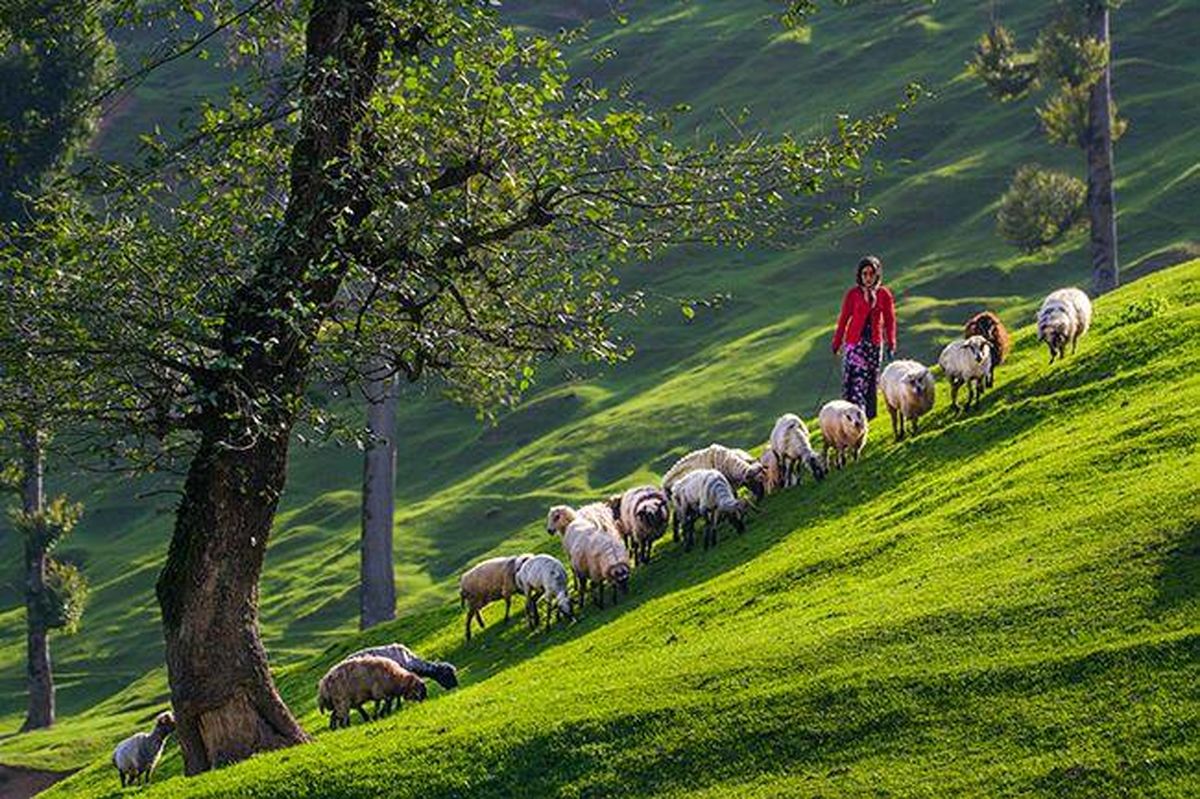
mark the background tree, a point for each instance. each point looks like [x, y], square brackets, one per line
[1072, 57]
[433, 193]
[53, 56]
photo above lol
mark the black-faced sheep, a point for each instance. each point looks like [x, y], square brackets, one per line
[790, 443]
[988, 325]
[487, 582]
[443, 673]
[136, 756]
[1064, 317]
[908, 392]
[545, 576]
[843, 429]
[352, 683]
[966, 362]
[642, 515]
[594, 554]
[707, 494]
[739, 467]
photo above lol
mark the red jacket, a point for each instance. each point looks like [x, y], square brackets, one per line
[853, 318]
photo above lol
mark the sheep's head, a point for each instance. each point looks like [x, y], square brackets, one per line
[618, 575]
[415, 690]
[855, 418]
[445, 674]
[558, 518]
[737, 515]
[654, 513]
[164, 723]
[816, 465]
[756, 479]
[979, 348]
[564, 609]
[917, 382]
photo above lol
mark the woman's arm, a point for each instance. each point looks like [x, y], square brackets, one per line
[839, 332]
[889, 318]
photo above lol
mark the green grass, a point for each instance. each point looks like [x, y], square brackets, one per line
[883, 570]
[1006, 605]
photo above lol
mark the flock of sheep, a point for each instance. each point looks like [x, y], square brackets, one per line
[597, 538]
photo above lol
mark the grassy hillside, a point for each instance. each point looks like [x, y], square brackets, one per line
[466, 491]
[1005, 605]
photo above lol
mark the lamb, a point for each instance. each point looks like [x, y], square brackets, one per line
[988, 325]
[966, 362]
[739, 467]
[594, 554]
[908, 392]
[544, 576]
[444, 673]
[136, 756]
[642, 516]
[355, 681]
[790, 443]
[1064, 317]
[707, 493]
[493, 579]
[844, 429]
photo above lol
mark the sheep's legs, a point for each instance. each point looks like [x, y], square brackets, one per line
[954, 395]
[363, 713]
[507, 608]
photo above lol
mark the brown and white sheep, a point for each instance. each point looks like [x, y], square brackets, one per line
[988, 325]
[355, 681]
[707, 494]
[908, 391]
[843, 429]
[593, 554]
[487, 582]
[1064, 317]
[966, 362]
[642, 516]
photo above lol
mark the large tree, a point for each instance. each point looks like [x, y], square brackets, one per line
[1072, 56]
[430, 192]
[53, 56]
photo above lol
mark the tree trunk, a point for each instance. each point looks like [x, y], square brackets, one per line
[1101, 199]
[377, 586]
[225, 702]
[37, 666]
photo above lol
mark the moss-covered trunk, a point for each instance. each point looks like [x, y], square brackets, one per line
[37, 635]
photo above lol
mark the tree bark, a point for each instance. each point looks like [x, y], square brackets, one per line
[225, 702]
[377, 583]
[37, 664]
[1101, 197]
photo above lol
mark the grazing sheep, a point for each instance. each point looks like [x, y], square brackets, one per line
[352, 683]
[544, 576]
[772, 471]
[707, 493]
[739, 467]
[493, 579]
[642, 515]
[966, 362]
[988, 325]
[594, 554]
[1064, 317]
[844, 429]
[908, 392]
[136, 756]
[444, 673]
[791, 445]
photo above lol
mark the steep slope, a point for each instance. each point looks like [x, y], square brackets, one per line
[466, 491]
[1007, 604]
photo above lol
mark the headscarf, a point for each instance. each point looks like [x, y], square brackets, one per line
[873, 262]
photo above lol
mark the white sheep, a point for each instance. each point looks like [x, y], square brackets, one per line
[594, 554]
[967, 362]
[792, 447]
[707, 494]
[739, 467]
[843, 429]
[642, 515]
[493, 579]
[1065, 315]
[444, 673]
[908, 391]
[136, 756]
[544, 576]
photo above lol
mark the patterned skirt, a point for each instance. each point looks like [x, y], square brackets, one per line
[860, 373]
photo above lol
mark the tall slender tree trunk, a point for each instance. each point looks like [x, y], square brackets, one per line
[225, 701]
[377, 575]
[37, 664]
[1101, 199]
